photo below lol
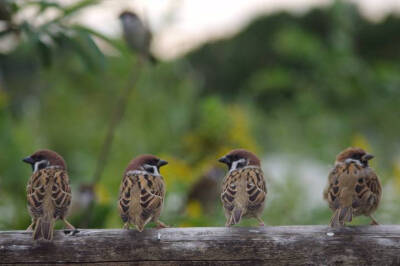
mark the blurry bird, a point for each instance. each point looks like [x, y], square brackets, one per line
[82, 198]
[137, 35]
[142, 192]
[353, 187]
[48, 193]
[207, 189]
[243, 189]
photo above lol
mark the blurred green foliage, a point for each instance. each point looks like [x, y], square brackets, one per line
[294, 89]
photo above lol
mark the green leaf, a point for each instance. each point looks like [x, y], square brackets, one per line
[79, 6]
[98, 35]
[42, 4]
[93, 49]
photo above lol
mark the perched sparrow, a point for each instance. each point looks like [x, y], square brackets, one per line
[48, 192]
[137, 35]
[353, 187]
[243, 189]
[142, 192]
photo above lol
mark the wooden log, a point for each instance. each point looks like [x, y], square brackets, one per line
[280, 245]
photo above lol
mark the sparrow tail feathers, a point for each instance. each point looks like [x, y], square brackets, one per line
[236, 215]
[44, 229]
[341, 216]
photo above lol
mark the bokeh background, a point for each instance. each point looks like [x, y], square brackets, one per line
[296, 84]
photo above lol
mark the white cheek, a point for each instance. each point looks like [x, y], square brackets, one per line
[156, 170]
[38, 164]
[350, 160]
[235, 164]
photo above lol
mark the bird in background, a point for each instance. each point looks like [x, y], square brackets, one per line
[207, 189]
[243, 189]
[142, 192]
[48, 193]
[137, 35]
[353, 187]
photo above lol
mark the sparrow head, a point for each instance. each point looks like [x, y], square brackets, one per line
[148, 163]
[356, 155]
[128, 15]
[240, 158]
[45, 158]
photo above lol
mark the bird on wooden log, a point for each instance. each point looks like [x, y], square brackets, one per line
[243, 188]
[353, 187]
[48, 193]
[142, 192]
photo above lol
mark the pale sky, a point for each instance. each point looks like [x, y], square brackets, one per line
[181, 25]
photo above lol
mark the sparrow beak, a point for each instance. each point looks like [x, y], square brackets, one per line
[368, 157]
[161, 163]
[224, 160]
[28, 160]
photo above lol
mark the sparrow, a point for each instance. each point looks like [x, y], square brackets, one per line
[142, 192]
[353, 187]
[48, 193]
[137, 35]
[243, 188]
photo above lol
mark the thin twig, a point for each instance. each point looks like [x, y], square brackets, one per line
[116, 118]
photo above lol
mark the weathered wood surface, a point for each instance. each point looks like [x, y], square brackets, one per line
[281, 245]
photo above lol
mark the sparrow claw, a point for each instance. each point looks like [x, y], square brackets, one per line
[161, 225]
[260, 221]
[71, 232]
[373, 221]
[30, 228]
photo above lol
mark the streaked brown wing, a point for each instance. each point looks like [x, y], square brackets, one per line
[36, 191]
[229, 189]
[152, 192]
[53, 183]
[125, 191]
[331, 193]
[255, 187]
[60, 192]
[368, 190]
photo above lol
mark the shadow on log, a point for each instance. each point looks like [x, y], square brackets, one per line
[281, 245]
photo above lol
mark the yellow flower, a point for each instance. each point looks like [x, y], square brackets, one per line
[102, 194]
[361, 141]
[396, 173]
[176, 171]
[194, 209]
[240, 134]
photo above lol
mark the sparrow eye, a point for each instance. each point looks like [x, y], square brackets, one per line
[149, 168]
[356, 156]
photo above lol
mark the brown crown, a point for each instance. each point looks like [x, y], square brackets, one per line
[138, 161]
[54, 158]
[349, 153]
[242, 153]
